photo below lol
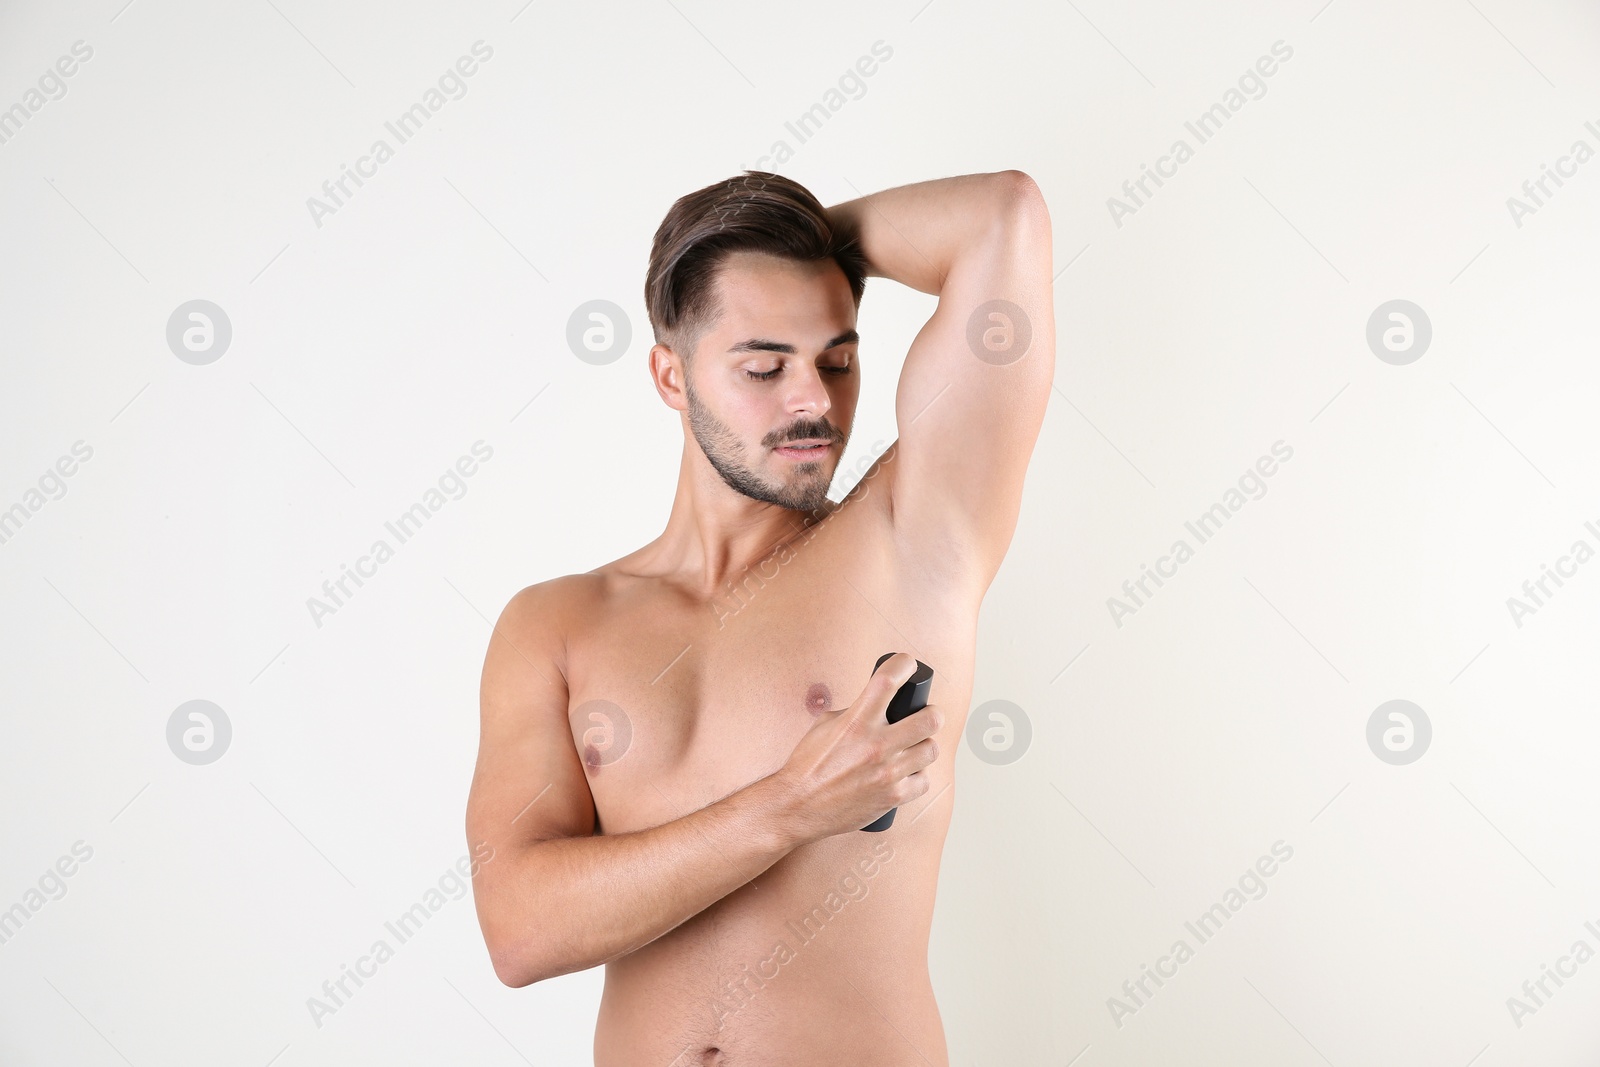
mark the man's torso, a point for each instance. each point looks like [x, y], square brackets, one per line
[675, 704]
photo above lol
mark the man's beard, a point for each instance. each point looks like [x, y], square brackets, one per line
[722, 449]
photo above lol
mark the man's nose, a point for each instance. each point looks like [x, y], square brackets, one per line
[808, 393]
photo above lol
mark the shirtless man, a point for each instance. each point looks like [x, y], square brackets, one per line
[679, 748]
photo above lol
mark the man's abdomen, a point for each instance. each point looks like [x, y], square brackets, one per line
[821, 960]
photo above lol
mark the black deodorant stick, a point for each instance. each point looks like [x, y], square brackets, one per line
[912, 696]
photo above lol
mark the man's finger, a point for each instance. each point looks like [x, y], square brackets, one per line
[881, 687]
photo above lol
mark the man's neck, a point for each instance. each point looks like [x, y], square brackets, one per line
[714, 533]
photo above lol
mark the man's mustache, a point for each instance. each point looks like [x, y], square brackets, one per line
[809, 431]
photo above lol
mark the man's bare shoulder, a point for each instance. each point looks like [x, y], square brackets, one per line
[545, 605]
[538, 617]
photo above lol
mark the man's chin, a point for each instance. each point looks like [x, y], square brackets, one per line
[806, 487]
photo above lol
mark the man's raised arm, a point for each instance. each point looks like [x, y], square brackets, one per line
[976, 381]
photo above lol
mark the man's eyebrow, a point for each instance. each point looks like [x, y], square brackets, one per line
[761, 344]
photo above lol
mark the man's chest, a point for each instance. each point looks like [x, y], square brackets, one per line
[675, 704]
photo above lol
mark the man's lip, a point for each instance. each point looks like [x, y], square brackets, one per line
[808, 441]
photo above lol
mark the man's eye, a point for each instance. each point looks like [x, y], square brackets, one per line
[761, 376]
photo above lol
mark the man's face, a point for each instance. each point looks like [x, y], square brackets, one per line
[776, 372]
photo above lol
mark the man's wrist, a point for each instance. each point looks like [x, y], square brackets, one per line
[845, 221]
[781, 813]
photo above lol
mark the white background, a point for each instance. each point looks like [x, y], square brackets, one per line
[1227, 313]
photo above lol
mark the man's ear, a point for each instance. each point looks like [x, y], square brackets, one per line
[667, 375]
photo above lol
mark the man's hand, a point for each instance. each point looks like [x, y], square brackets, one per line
[853, 764]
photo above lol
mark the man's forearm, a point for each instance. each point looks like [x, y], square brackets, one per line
[568, 904]
[913, 234]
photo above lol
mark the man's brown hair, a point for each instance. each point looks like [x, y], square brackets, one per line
[753, 212]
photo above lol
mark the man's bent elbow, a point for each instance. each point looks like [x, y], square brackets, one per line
[1016, 187]
[522, 962]
[516, 966]
[514, 948]
[1021, 200]
[511, 963]
[512, 975]
[1019, 221]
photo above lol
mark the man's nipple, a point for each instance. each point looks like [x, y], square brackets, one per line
[819, 698]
